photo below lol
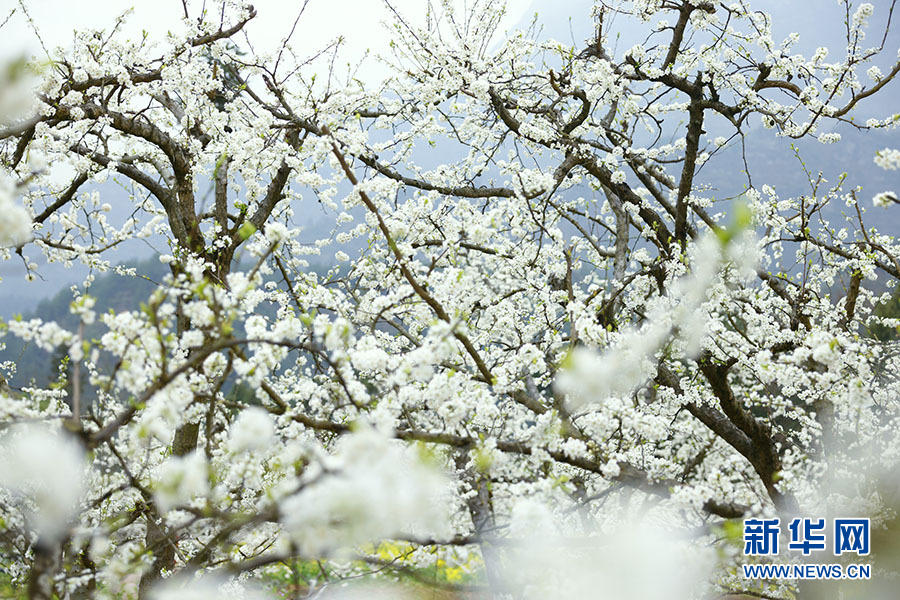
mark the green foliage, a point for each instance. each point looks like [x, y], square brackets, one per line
[112, 291]
[10, 590]
[291, 579]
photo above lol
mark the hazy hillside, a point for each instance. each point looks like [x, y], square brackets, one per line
[113, 292]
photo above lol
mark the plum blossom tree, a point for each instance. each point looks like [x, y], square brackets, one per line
[534, 296]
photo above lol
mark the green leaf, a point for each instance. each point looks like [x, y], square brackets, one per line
[743, 216]
[246, 230]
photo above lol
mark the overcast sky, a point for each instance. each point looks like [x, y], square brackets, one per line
[358, 21]
[820, 22]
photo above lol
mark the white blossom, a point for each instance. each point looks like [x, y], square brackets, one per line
[884, 199]
[180, 479]
[377, 489]
[888, 159]
[15, 226]
[46, 469]
[252, 430]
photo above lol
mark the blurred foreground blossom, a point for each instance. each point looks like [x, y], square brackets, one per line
[635, 560]
[44, 471]
[16, 100]
[15, 226]
[373, 487]
[888, 159]
[884, 199]
[17, 97]
[180, 479]
[630, 358]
